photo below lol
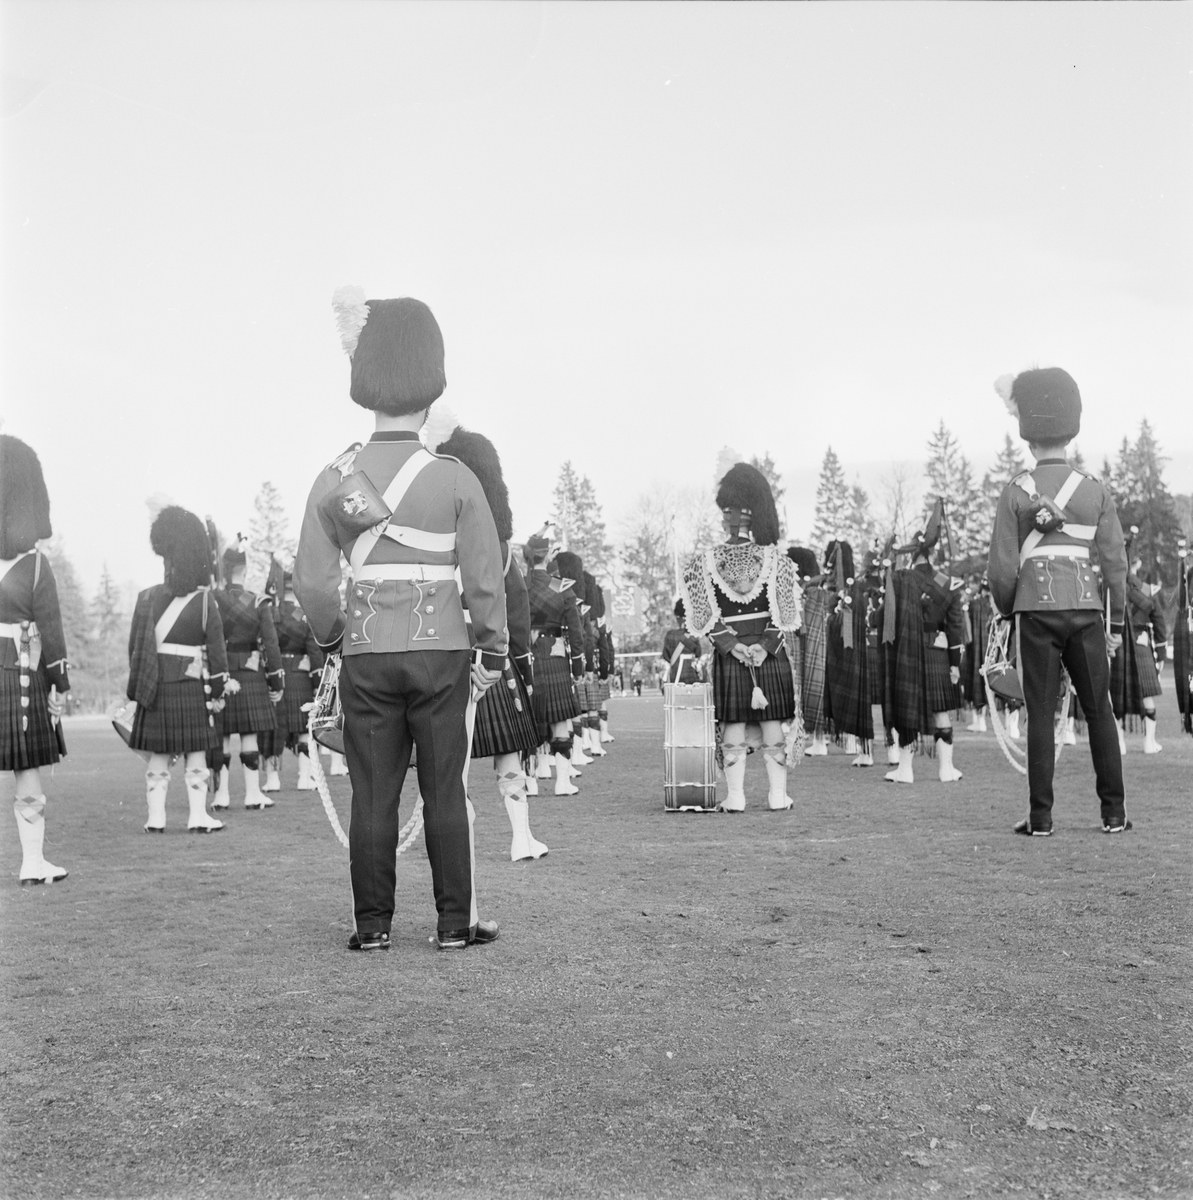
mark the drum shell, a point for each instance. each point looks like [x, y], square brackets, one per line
[689, 748]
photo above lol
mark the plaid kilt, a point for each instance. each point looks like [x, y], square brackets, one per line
[1145, 665]
[847, 683]
[732, 688]
[554, 696]
[1126, 678]
[874, 669]
[587, 695]
[603, 691]
[941, 694]
[500, 727]
[250, 710]
[812, 658]
[178, 721]
[42, 744]
[290, 719]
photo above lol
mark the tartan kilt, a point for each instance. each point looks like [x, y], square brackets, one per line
[732, 688]
[1145, 666]
[42, 744]
[847, 693]
[288, 715]
[500, 728]
[603, 691]
[942, 695]
[250, 710]
[554, 696]
[586, 695]
[874, 666]
[178, 721]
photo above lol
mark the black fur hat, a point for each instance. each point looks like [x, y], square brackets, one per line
[1046, 402]
[234, 557]
[570, 566]
[479, 455]
[679, 611]
[24, 501]
[745, 487]
[806, 566]
[830, 558]
[397, 364]
[596, 595]
[180, 538]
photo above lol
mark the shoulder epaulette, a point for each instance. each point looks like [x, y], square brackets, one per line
[1018, 480]
[955, 583]
[345, 460]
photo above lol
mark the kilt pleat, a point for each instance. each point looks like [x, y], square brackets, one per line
[812, 659]
[250, 710]
[603, 691]
[847, 684]
[290, 720]
[943, 695]
[177, 723]
[501, 727]
[42, 744]
[554, 696]
[874, 667]
[1145, 666]
[733, 687]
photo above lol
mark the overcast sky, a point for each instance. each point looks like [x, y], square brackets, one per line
[646, 231]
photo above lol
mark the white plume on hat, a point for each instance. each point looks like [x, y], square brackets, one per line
[440, 424]
[726, 459]
[156, 503]
[1004, 386]
[352, 311]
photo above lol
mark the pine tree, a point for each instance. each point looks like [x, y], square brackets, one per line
[766, 465]
[76, 620]
[950, 477]
[578, 515]
[1008, 464]
[860, 529]
[269, 529]
[648, 563]
[832, 503]
[109, 631]
[1143, 500]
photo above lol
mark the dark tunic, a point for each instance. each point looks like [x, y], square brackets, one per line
[172, 714]
[557, 644]
[248, 630]
[29, 737]
[505, 721]
[687, 672]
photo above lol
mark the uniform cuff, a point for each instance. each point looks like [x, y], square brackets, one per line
[1117, 630]
[492, 662]
[332, 643]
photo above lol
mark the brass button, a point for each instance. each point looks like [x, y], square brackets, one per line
[430, 631]
[430, 591]
[359, 592]
[355, 636]
[356, 612]
[430, 608]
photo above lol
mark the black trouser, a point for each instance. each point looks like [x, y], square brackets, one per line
[1077, 639]
[392, 702]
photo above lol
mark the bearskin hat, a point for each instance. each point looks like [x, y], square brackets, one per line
[806, 566]
[536, 549]
[596, 596]
[679, 611]
[24, 501]
[180, 538]
[234, 557]
[744, 486]
[1046, 403]
[570, 566]
[479, 455]
[396, 349]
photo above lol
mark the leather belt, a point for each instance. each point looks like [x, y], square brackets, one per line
[381, 572]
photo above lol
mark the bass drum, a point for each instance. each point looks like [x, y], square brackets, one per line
[689, 748]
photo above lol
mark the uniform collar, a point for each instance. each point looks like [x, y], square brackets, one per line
[394, 435]
[1045, 462]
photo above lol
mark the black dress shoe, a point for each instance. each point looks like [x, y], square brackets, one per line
[480, 934]
[1117, 826]
[1024, 827]
[369, 941]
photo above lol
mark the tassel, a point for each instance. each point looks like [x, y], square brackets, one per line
[757, 696]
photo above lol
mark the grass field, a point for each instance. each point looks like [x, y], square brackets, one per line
[881, 993]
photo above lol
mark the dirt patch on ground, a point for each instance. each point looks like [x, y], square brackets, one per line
[881, 993]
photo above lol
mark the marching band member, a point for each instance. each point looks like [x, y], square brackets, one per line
[847, 666]
[591, 722]
[812, 647]
[606, 662]
[302, 660]
[925, 656]
[177, 668]
[1134, 680]
[406, 521]
[557, 641]
[255, 665]
[505, 729]
[744, 597]
[33, 668]
[568, 569]
[1039, 572]
[681, 651]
